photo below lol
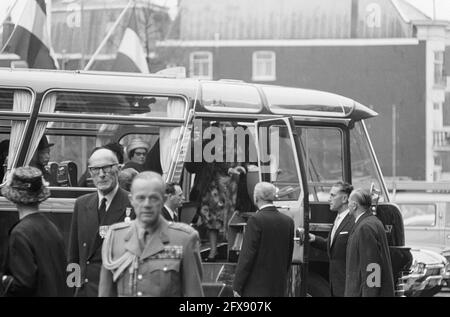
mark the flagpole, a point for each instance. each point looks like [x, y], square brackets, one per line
[11, 7]
[91, 61]
[12, 32]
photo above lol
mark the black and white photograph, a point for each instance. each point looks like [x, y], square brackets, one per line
[245, 150]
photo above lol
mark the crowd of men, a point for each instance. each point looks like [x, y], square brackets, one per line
[132, 244]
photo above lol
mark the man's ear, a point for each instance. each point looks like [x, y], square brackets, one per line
[345, 199]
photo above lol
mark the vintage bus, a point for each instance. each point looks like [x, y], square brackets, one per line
[321, 138]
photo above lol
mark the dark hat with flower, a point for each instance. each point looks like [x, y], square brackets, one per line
[26, 186]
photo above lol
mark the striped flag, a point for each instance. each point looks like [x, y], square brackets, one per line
[131, 54]
[30, 38]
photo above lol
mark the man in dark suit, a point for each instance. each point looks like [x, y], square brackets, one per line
[93, 214]
[174, 200]
[336, 242]
[369, 270]
[266, 254]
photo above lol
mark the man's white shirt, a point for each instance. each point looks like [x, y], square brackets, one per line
[337, 222]
[109, 197]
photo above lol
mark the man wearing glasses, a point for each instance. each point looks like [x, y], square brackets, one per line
[93, 214]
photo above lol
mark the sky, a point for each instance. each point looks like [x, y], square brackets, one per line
[442, 11]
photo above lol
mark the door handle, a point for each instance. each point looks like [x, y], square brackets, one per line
[298, 237]
[284, 207]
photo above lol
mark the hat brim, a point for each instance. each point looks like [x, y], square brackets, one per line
[24, 197]
[46, 146]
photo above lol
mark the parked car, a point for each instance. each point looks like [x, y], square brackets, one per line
[425, 208]
[427, 274]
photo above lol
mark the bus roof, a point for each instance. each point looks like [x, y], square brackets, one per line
[227, 96]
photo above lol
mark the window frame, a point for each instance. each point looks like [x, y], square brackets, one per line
[316, 184]
[438, 68]
[208, 60]
[257, 61]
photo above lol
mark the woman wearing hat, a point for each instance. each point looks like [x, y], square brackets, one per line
[42, 157]
[36, 262]
[136, 151]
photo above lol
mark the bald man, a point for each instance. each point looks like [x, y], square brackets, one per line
[368, 262]
[150, 256]
[266, 254]
[93, 214]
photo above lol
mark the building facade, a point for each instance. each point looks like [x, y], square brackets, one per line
[382, 53]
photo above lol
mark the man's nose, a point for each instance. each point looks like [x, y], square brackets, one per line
[101, 172]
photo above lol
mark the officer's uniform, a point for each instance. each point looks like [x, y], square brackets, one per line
[168, 265]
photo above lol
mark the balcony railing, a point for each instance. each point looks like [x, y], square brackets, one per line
[441, 139]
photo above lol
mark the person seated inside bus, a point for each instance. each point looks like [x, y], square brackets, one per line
[153, 160]
[42, 157]
[126, 176]
[220, 189]
[4, 149]
[137, 152]
[85, 179]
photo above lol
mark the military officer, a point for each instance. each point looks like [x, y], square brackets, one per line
[150, 256]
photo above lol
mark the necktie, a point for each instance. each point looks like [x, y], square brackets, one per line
[333, 232]
[175, 216]
[102, 211]
[143, 239]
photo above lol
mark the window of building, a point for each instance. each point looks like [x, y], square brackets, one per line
[439, 68]
[264, 66]
[200, 65]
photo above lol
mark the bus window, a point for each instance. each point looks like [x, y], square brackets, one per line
[277, 160]
[17, 102]
[323, 156]
[114, 104]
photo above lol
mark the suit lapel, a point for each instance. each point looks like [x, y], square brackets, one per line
[156, 242]
[166, 214]
[92, 222]
[342, 225]
[116, 210]
[113, 215]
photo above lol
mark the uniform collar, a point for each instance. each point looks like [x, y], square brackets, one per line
[155, 242]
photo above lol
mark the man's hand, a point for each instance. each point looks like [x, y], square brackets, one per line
[301, 232]
[236, 294]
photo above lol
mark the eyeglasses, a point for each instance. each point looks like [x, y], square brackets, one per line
[140, 153]
[106, 169]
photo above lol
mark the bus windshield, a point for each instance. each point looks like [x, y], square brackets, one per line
[365, 172]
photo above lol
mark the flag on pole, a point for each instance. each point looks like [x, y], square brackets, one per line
[30, 38]
[131, 54]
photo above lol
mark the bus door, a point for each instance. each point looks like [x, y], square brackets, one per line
[280, 163]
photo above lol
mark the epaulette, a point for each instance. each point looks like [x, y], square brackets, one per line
[181, 226]
[120, 225]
